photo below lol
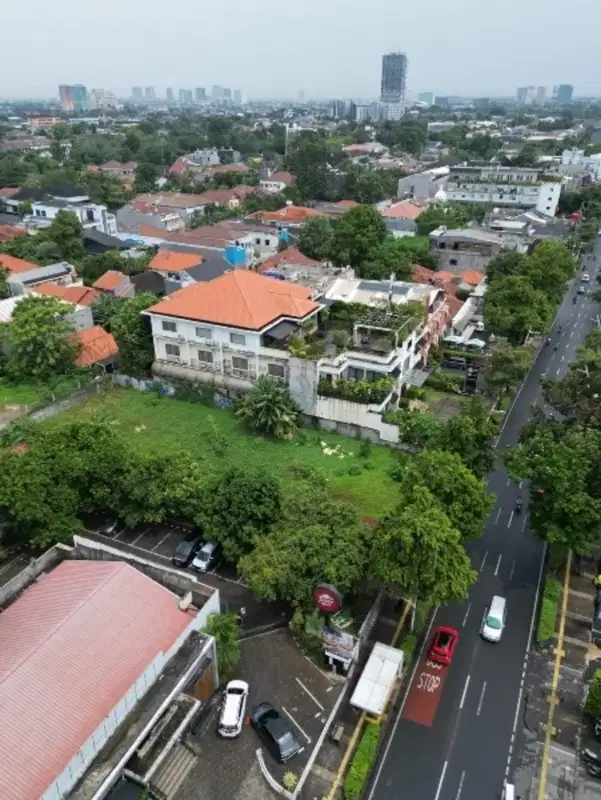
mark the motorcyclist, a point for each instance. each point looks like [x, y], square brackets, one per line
[548, 340]
[518, 505]
[555, 347]
[574, 300]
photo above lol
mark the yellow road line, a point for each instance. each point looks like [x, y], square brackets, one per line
[553, 698]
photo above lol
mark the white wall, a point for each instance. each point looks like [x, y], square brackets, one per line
[331, 408]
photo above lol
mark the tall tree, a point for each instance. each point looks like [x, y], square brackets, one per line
[225, 628]
[146, 178]
[513, 307]
[389, 258]
[357, 234]
[470, 434]
[133, 334]
[66, 233]
[507, 367]
[315, 238]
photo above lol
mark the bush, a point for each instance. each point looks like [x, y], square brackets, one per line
[416, 428]
[408, 645]
[357, 391]
[362, 762]
[445, 383]
[415, 393]
[548, 610]
[592, 705]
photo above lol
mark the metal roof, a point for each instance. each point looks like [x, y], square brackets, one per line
[72, 646]
[374, 686]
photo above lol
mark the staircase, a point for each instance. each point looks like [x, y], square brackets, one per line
[174, 771]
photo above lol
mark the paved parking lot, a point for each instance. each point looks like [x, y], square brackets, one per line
[279, 673]
[11, 566]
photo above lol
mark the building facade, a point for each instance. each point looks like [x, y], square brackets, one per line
[394, 76]
[73, 97]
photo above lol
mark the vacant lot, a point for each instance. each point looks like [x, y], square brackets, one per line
[215, 438]
[30, 394]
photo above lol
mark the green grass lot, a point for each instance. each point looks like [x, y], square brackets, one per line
[165, 425]
[29, 394]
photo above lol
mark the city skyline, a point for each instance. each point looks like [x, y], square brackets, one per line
[345, 65]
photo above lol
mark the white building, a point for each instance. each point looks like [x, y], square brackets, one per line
[90, 215]
[504, 186]
[577, 158]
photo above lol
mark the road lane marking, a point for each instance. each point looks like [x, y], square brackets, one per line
[510, 519]
[571, 334]
[442, 774]
[563, 358]
[481, 699]
[498, 514]
[558, 370]
[156, 547]
[312, 696]
[467, 683]
[525, 522]
[469, 605]
[521, 484]
[498, 565]
[483, 561]
[512, 569]
[460, 787]
[295, 723]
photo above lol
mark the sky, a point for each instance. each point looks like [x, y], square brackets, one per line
[270, 48]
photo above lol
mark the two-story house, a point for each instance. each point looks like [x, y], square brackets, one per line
[125, 172]
[90, 215]
[276, 182]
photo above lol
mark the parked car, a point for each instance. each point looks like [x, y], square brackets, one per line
[581, 289]
[585, 277]
[207, 557]
[112, 527]
[275, 732]
[187, 549]
[443, 645]
[231, 717]
[454, 362]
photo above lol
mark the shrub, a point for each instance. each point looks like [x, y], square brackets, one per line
[341, 339]
[415, 393]
[289, 780]
[362, 762]
[416, 428]
[365, 449]
[548, 610]
[592, 705]
[357, 391]
[408, 645]
[445, 383]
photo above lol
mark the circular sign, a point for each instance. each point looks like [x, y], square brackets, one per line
[327, 598]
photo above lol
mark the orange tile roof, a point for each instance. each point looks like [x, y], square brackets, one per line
[280, 177]
[171, 261]
[8, 232]
[8, 191]
[406, 209]
[292, 255]
[295, 214]
[110, 281]
[149, 230]
[472, 277]
[80, 295]
[13, 264]
[96, 345]
[455, 305]
[239, 299]
[346, 204]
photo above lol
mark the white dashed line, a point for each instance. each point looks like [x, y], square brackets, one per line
[498, 565]
[510, 519]
[467, 611]
[481, 701]
[512, 569]
[442, 774]
[498, 515]
[483, 561]
[467, 683]
[460, 787]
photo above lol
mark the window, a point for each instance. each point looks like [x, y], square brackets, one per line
[205, 356]
[240, 363]
[90, 214]
[173, 276]
[276, 370]
[266, 242]
[453, 262]
[172, 350]
[237, 338]
[257, 241]
[203, 333]
[169, 326]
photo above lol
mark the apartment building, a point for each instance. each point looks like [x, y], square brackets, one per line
[504, 186]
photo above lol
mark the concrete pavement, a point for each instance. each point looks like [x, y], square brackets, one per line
[466, 750]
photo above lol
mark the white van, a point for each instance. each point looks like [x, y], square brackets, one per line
[493, 621]
[233, 707]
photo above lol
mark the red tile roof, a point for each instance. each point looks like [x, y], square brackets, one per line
[239, 299]
[293, 256]
[73, 645]
[110, 281]
[217, 235]
[8, 191]
[96, 345]
[346, 204]
[167, 200]
[455, 305]
[294, 214]
[148, 230]
[406, 209]
[80, 295]
[13, 264]
[172, 261]
[179, 166]
[281, 177]
[8, 232]
[472, 277]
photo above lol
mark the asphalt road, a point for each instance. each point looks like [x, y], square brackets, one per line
[464, 749]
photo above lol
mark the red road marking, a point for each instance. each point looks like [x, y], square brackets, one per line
[425, 693]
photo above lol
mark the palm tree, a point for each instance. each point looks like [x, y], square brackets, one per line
[268, 408]
[225, 628]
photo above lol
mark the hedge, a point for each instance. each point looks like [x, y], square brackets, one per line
[548, 610]
[362, 762]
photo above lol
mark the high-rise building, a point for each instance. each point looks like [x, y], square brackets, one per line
[189, 97]
[563, 93]
[200, 95]
[227, 95]
[237, 97]
[217, 92]
[182, 96]
[426, 97]
[101, 99]
[394, 75]
[301, 95]
[541, 95]
[169, 95]
[137, 95]
[149, 94]
[73, 97]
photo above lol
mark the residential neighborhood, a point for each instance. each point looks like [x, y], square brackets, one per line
[299, 438]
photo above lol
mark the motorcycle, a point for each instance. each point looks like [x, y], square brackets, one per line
[574, 301]
[518, 505]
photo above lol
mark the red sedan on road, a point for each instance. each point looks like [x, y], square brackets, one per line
[443, 645]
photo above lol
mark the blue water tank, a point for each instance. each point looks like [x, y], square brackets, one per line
[284, 235]
[235, 255]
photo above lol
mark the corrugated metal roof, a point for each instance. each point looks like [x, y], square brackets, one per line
[72, 646]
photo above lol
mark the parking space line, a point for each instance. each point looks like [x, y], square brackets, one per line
[156, 547]
[323, 673]
[295, 723]
[137, 539]
[13, 562]
[312, 696]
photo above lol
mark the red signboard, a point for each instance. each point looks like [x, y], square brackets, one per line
[327, 598]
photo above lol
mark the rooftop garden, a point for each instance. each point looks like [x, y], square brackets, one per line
[366, 392]
[401, 319]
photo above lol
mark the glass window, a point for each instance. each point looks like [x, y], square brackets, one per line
[240, 363]
[277, 370]
[169, 326]
[494, 623]
[204, 333]
[237, 338]
[206, 356]
[172, 349]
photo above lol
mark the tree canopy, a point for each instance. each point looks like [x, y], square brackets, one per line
[132, 332]
[356, 235]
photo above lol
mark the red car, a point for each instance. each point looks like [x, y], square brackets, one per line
[443, 645]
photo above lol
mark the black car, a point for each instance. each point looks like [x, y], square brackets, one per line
[111, 528]
[275, 732]
[187, 549]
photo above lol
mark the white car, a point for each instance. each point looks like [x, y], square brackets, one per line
[585, 277]
[231, 718]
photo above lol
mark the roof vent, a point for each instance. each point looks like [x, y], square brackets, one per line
[185, 602]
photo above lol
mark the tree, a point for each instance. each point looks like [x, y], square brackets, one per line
[4, 293]
[225, 628]
[66, 233]
[452, 215]
[470, 434]
[238, 506]
[563, 465]
[549, 267]
[133, 334]
[308, 162]
[40, 339]
[363, 185]
[507, 367]
[315, 238]
[146, 177]
[460, 494]
[410, 135]
[315, 540]
[389, 258]
[592, 706]
[513, 307]
[418, 553]
[269, 409]
[503, 264]
[356, 235]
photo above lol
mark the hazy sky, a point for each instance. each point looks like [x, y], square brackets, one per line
[270, 48]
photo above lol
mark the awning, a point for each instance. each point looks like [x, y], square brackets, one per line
[375, 685]
[282, 330]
